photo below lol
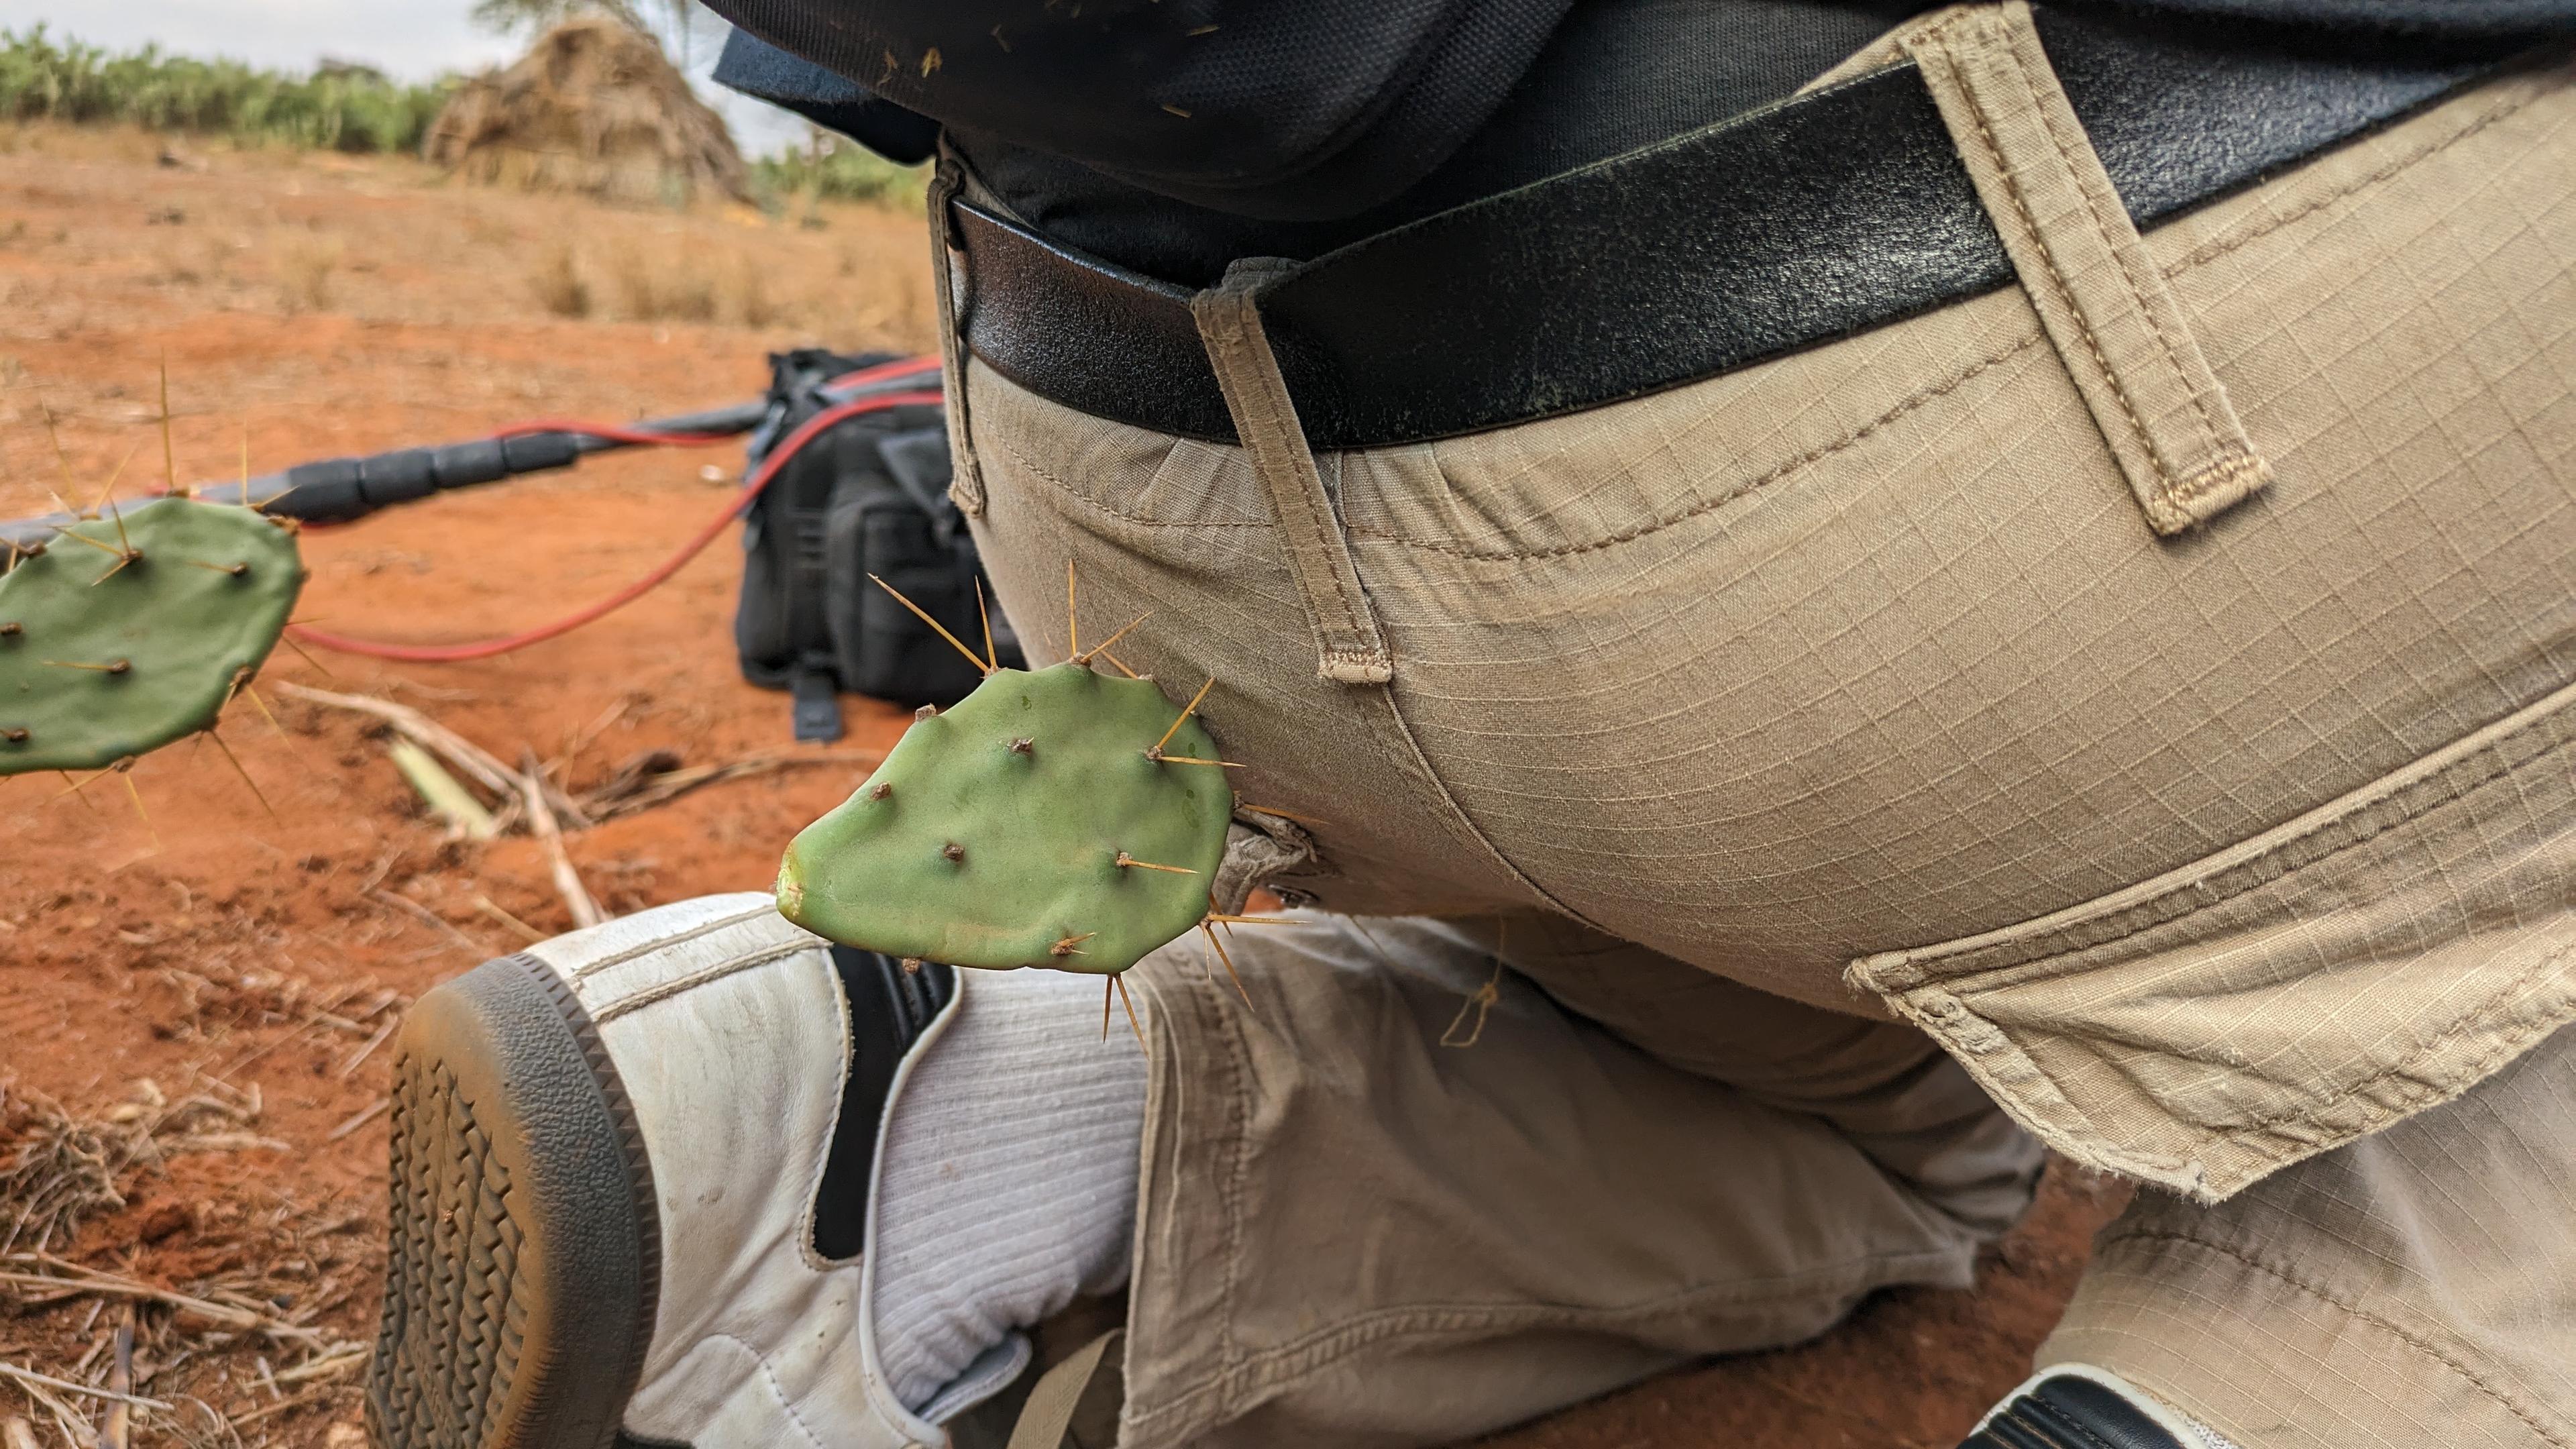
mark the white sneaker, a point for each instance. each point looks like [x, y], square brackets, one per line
[630, 1175]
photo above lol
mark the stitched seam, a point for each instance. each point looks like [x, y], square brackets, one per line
[967, 479]
[769, 1379]
[1097, 506]
[2415, 1341]
[1408, 756]
[2048, 260]
[1279, 448]
[2226, 472]
[1239, 1168]
[2463, 782]
[2469, 1073]
[2198, 258]
[2075, 170]
[1814, 455]
[588, 969]
[2202, 256]
[668, 989]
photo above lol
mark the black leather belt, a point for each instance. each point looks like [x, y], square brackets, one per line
[1812, 219]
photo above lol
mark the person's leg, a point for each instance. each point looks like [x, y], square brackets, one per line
[1884, 1086]
[2417, 1287]
[1382, 1205]
[1007, 1184]
[625, 1167]
[693, 1175]
[1859, 674]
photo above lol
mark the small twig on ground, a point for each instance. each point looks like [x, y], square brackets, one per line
[29, 1377]
[657, 777]
[469, 759]
[96, 1283]
[318, 1391]
[446, 799]
[557, 767]
[118, 1431]
[326, 1365]
[486, 906]
[484, 768]
[374, 1111]
[17, 1433]
[70, 1423]
[412, 907]
[224, 1142]
[541, 816]
[359, 1057]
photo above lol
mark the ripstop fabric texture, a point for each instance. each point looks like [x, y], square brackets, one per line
[2240, 861]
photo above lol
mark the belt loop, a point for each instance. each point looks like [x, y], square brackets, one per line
[2115, 324]
[948, 281]
[1265, 420]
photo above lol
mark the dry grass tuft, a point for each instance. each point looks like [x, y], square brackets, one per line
[754, 304]
[662, 287]
[269, 1279]
[61, 1171]
[305, 266]
[558, 281]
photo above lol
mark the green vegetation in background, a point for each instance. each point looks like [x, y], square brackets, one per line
[342, 108]
[842, 171]
[339, 108]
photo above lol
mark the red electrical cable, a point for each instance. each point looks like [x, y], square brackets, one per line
[751, 488]
[615, 433]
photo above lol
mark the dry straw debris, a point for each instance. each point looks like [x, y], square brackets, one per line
[271, 1277]
[62, 1171]
[595, 108]
[57, 1170]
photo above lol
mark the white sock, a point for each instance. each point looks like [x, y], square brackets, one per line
[1009, 1186]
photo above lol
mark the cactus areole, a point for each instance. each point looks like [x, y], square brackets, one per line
[1035, 824]
[131, 631]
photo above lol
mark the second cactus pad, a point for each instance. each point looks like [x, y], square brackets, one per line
[131, 631]
[1031, 825]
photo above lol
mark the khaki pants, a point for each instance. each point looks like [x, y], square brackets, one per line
[2153, 685]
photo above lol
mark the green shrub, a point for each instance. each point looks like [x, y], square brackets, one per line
[845, 172]
[339, 108]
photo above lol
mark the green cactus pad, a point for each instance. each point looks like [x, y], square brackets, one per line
[991, 834]
[133, 639]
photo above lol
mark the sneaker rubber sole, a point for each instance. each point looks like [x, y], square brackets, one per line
[525, 1254]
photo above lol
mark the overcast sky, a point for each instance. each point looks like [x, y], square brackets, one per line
[409, 39]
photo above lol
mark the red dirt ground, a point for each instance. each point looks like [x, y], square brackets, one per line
[317, 305]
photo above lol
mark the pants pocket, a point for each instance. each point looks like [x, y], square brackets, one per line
[2373, 957]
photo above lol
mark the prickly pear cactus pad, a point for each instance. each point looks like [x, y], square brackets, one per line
[1031, 825]
[130, 632]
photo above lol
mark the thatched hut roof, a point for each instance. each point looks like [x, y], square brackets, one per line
[592, 107]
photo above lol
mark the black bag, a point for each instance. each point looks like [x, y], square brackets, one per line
[868, 495]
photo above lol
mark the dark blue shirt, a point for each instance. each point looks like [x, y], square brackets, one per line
[1173, 135]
